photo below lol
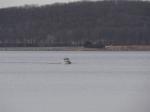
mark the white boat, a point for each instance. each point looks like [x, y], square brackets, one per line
[67, 61]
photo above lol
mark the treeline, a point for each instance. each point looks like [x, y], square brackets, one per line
[76, 24]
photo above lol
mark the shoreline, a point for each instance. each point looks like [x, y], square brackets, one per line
[107, 48]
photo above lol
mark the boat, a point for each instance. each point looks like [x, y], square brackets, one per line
[67, 61]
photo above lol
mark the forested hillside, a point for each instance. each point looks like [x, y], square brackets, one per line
[73, 24]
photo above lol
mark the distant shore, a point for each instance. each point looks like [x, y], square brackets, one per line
[107, 48]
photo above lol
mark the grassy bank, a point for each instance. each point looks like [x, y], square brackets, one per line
[107, 48]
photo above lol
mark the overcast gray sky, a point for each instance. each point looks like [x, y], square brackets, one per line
[8, 3]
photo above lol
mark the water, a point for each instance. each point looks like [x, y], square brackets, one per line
[95, 82]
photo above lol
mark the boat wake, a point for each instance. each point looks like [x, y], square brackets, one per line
[31, 62]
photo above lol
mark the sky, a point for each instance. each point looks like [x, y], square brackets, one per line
[9, 3]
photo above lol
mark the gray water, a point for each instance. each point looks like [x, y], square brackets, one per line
[95, 82]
